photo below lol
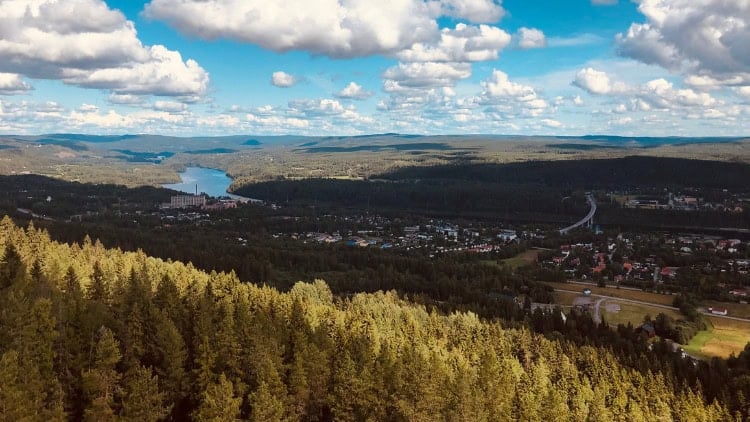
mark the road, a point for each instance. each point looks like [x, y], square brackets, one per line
[597, 310]
[589, 216]
[640, 302]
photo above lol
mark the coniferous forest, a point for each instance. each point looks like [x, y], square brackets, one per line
[88, 333]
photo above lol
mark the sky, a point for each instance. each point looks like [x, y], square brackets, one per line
[348, 67]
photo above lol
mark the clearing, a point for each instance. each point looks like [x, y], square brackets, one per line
[722, 338]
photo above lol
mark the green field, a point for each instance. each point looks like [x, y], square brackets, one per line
[721, 339]
[633, 313]
[521, 260]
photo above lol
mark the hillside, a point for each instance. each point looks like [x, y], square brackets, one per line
[91, 333]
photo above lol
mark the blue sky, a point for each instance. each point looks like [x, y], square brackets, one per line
[323, 67]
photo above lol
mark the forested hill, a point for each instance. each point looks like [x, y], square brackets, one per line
[96, 334]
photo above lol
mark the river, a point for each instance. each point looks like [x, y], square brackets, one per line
[212, 182]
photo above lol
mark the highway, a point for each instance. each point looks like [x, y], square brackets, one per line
[585, 219]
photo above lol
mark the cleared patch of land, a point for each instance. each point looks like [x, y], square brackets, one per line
[722, 338]
[521, 260]
[633, 313]
[564, 298]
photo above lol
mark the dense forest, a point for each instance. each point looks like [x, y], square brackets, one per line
[616, 173]
[533, 191]
[99, 334]
[444, 198]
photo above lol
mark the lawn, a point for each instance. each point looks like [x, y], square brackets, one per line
[620, 293]
[633, 313]
[564, 298]
[521, 260]
[721, 339]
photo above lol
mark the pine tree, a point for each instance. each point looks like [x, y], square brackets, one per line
[12, 269]
[98, 290]
[101, 381]
[265, 406]
[16, 401]
[142, 401]
[218, 403]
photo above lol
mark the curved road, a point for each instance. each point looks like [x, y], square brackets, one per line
[583, 221]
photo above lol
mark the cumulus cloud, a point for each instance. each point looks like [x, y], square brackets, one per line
[597, 82]
[655, 94]
[479, 11]
[88, 108]
[353, 91]
[406, 76]
[85, 43]
[464, 43]
[12, 84]
[335, 28]
[283, 80]
[512, 97]
[125, 99]
[170, 106]
[708, 38]
[529, 38]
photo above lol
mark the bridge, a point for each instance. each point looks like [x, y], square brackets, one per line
[588, 220]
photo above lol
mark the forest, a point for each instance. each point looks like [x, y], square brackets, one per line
[100, 334]
[532, 191]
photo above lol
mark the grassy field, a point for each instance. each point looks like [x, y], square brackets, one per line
[629, 312]
[521, 260]
[619, 293]
[723, 338]
[633, 313]
[564, 298]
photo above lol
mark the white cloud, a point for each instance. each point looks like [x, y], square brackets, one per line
[597, 82]
[12, 84]
[353, 91]
[283, 80]
[335, 28]
[657, 94]
[85, 43]
[88, 108]
[464, 43]
[603, 2]
[125, 99]
[321, 107]
[531, 38]
[407, 76]
[479, 11]
[707, 38]
[512, 98]
[551, 123]
[170, 106]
